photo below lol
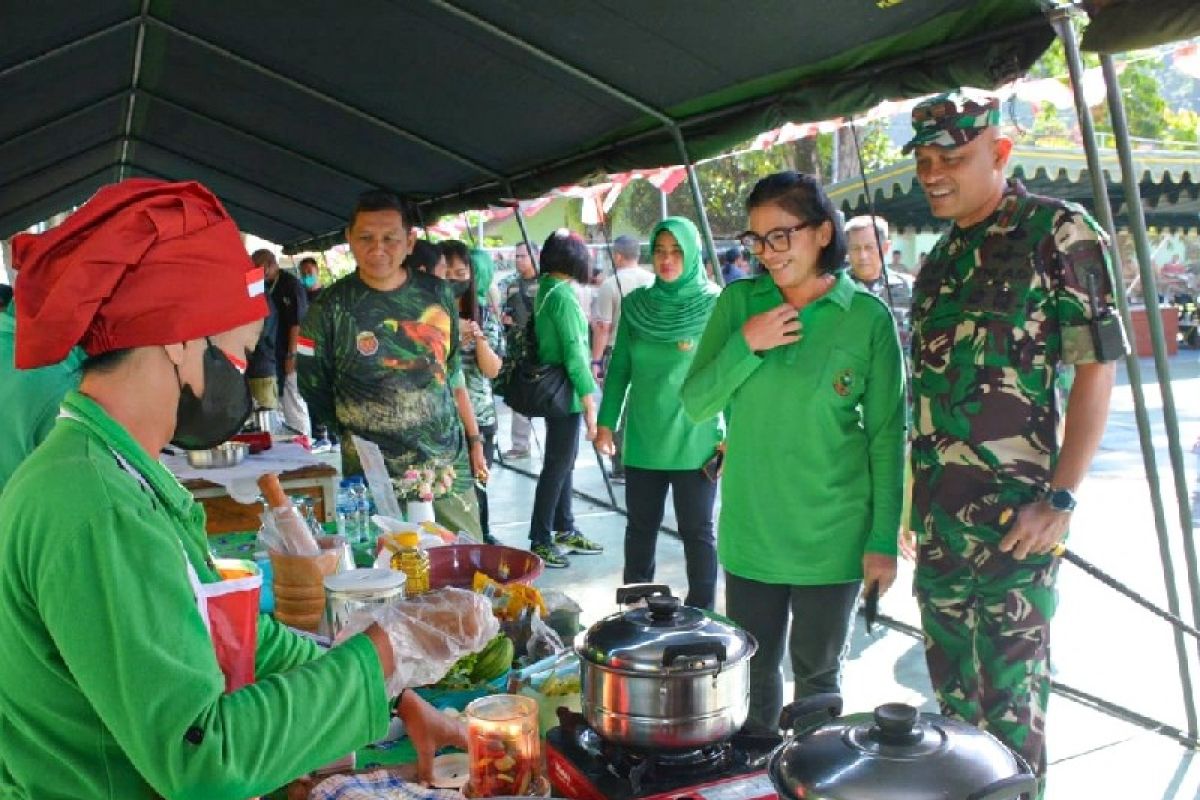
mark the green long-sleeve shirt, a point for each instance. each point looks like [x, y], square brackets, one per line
[562, 334]
[109, 685]
[658, 434]
[29, 398]
[815, 434]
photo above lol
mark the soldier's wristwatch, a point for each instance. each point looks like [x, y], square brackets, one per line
[1060, 500]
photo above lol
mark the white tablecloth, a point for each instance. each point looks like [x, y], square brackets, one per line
[241, 481]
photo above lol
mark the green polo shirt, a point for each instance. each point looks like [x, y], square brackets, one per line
[814, 469]
[647, 376]
[29, 398]
[562, 334]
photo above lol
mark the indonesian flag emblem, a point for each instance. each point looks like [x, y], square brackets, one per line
[256, 282]
[305, 347]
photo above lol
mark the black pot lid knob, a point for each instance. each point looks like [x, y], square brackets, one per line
[663, 609]
[896, 724]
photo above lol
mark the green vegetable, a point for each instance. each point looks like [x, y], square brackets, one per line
[475, 669]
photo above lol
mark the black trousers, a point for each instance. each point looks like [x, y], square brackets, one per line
[645, 501]
[552, 499]
[817, 638]
[488, 432]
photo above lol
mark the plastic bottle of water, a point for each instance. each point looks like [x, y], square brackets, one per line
[362, 508]
[347, 511]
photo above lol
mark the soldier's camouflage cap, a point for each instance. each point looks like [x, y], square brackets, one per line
[952, 119]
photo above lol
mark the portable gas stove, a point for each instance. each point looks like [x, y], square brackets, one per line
[583, 766]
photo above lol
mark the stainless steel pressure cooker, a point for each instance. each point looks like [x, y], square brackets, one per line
[664, 676]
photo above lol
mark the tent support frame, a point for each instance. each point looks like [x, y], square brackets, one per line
[616, 93]
[1066, 33]
[1141, 239]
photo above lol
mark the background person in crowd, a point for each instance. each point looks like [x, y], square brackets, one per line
[867, 267]
[381, 360]
[898, 264]
[627, 276]
[665, 450]
[261, 369]
[310, 276]
[1002, 301]
[562, 337]
[291, 304]
[807, 367]
[115, 680]
[480, 344]
[518, 295]
[29, 397]
[426, 257]
[734, 265]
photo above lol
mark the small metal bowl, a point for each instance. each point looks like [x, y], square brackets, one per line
[226, 454]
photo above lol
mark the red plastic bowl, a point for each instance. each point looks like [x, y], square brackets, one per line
[456, 564]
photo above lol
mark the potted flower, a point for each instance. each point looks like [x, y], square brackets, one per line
[419, 485]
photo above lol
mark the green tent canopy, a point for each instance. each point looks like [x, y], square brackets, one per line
[1169, 184]
[289, 111]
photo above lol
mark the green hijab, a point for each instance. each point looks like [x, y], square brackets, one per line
[484, 268]
[671, 312]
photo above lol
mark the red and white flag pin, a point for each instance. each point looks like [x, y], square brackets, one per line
[305, 347]
[256, 282]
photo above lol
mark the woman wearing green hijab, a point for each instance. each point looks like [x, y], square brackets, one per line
[656, 339]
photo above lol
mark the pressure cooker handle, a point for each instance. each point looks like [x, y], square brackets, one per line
[674, 652]
[1009, 788]
[631, 593]
[825, 706]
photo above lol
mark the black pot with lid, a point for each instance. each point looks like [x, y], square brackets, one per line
[893, 753]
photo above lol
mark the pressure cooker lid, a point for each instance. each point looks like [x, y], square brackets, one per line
[664, 638]
[897, 752]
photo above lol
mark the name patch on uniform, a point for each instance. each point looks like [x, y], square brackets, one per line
[366, 343]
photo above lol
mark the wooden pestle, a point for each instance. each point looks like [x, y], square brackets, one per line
[273, 491]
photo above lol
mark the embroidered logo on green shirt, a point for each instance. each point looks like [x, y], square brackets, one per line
[844, 382]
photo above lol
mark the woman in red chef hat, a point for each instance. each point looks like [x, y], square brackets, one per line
[110, 685]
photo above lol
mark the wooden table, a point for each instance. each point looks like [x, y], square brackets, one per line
[226, 515]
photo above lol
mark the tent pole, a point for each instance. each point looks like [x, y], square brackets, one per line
[1137, 225]
[520, 217]
[694, 182]
[662, 205]
[1062, 27]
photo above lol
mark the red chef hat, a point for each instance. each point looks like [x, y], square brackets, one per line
[143, 262]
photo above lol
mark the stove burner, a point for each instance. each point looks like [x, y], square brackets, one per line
[642, 771]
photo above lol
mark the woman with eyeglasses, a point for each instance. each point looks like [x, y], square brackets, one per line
[807, 368]
[656, 339]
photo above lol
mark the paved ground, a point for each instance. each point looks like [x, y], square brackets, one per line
[1103, 645]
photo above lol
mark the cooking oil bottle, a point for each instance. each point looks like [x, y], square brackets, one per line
[413, 562]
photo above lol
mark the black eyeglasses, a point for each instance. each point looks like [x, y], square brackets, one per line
[778, 239]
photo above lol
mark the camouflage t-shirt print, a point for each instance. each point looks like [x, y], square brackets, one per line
[996, 308]
[384, 366]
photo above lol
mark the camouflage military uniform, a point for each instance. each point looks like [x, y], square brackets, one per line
[997, 308]
[384, 365]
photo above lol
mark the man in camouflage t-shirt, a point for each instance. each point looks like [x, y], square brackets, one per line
[379, 357]
[1018, 286]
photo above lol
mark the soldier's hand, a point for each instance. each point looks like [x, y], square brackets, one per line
[773, 328]
[878, 569]
[1038, 529]
[908, 544]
